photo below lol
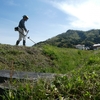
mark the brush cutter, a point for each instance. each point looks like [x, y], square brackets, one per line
[30, 39]
[16, 29]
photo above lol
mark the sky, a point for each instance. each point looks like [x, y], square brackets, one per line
[47, 18]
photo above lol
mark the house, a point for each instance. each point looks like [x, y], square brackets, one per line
[81, 47]
[96, 46]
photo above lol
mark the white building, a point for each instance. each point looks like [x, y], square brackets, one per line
[81, 47]
[96, 46]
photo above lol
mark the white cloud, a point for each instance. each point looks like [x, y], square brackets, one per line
[86, 13]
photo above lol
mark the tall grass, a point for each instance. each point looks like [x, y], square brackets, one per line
[76, 85]
[78, 75]
[66, 59]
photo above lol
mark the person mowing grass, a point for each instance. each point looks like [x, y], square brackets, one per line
[22, 29]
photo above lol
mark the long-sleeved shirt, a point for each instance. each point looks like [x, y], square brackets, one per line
[22, 24]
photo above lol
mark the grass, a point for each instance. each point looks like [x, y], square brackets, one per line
[45, 59]
[66, 59]
[73, 86]
[80, 69]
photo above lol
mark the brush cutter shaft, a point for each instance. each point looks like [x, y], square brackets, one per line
[26, 36]
[30, 39]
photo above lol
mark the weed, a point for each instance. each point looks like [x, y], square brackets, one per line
[80, 79]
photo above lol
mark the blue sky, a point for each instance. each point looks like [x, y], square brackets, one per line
[47, 18]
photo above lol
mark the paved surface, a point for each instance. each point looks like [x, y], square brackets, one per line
[7, 74]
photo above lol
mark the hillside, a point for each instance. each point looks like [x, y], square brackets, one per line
[22, 58]
[44, 58]
[71, 38]
[79, 72]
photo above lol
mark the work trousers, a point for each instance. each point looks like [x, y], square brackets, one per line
[21, 34]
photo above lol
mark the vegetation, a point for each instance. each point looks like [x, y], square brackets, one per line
[78, 72]
[46, 58]
[73, 37]
[75, 86]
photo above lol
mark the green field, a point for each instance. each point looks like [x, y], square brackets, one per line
[80, 69]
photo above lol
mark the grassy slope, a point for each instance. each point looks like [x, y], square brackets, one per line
[22, 58]
[46, 58]
[82, 69]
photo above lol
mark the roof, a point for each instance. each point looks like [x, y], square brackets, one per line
[95, 45]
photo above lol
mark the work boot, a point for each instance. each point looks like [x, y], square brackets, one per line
[17, 42]
[24, 42]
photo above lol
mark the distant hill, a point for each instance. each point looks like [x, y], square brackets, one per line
[71, 38]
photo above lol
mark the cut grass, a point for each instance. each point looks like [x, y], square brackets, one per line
[80, 69]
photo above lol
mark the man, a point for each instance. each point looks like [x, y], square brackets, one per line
[22, 29]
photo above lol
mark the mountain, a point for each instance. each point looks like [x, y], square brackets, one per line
[77, 71]
[71, 38]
